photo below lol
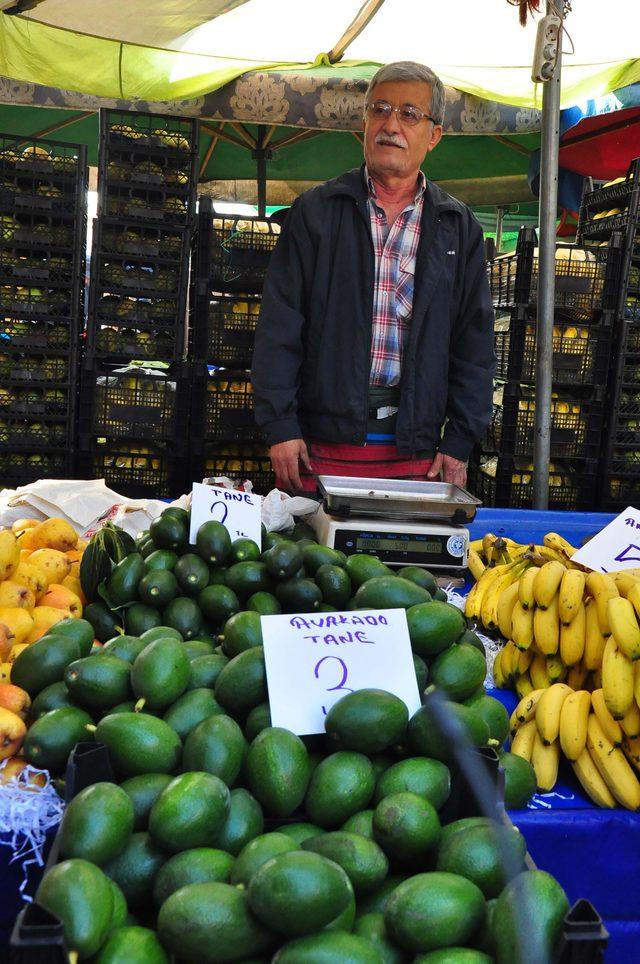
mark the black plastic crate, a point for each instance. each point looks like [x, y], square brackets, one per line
[586, 279]
[581, 352]
[137, 302]
[476, 789]
[576, 423]
[619, 488]
[136, 469]
[222, 407]
[136, 402]
[233, 252]
[507, 482]
[34, 369]
[38, 267]
[223, 330]
[19, 467]
[37, 335]
[148, 167]
[36, 402]
[611, 207]
[239, 461]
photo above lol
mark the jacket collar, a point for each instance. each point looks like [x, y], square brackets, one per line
[353, 184]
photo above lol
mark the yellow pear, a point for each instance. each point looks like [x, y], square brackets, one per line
[73, 583]
[17, 621]
[61, 597]
[20, 525]
[16, 649]
[44, 617]
[53, 563]
[31, 577]
[13, 595]
[5, 672]
[51, 534]
[9, 554]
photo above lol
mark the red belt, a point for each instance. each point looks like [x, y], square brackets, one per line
[361, 461]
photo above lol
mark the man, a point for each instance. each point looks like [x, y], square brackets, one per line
[374, 350]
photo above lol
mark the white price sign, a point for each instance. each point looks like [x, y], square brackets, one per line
[313, 660]
[615, 547]
[239, 512]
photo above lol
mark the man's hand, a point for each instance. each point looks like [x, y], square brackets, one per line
[286, 458]
[453, 470]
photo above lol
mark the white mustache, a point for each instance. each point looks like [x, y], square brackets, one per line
[388, 139]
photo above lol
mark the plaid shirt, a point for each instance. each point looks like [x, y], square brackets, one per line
[395, 260]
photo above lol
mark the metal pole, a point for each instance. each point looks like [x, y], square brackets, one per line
[550, 146]
[261, 164]
[499, 224]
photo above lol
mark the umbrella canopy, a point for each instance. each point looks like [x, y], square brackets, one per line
[162, 49]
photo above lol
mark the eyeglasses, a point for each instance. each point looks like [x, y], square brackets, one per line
[407, 114]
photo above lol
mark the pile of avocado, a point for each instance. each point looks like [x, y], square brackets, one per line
[226, 839]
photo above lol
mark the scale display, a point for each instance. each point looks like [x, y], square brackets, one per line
[403, 548]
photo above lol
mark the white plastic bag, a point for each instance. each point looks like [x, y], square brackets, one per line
[281, 511]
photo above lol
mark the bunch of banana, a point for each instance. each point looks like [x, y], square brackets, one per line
[562, 624]
[555, 721]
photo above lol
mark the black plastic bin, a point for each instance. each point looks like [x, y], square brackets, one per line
[222, 406]
[581, 352]
[507, 482]
[238, 461]
[586, 280]
[148, 167]
[576, 423]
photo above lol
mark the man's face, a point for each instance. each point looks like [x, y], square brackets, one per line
[392, 148]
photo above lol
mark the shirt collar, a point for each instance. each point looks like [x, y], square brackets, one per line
[371, 188]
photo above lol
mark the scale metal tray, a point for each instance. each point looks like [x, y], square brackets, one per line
[345, 497]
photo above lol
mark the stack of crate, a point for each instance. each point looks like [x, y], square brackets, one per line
[229, 262]
[613, 211]
[133, 426]
[43, 220]
[501, 473]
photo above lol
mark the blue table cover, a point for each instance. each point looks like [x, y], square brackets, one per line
[594, 853]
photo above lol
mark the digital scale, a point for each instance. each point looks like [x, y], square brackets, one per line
[403, 523]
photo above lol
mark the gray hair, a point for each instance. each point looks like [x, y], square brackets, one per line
[408, 70]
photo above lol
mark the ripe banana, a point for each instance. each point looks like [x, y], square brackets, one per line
[546, 627]
[577, 676]
[574, 717]
[538, 673]
[636, 683]
[553, 541]
[545, 759]
[631, 749]
[610, 726]
[508, 599]
[594, 641]
[509, 654]
[625, 582]
[521, 661]
[547, 582]
[624, 626]
[573, 636]
[630, 723]
[473, 602]
[523, 685]
[522, 626]
[542, 554]
[490, 600]
[556, 669]
[591, 781]
[526, 708]
[548, 712]
[474, 563]
[617, 680]
[498, 676]
[570, 595]
[602, 588]
[522, 743]
[633, 595]
[613, 766]
[525, 587]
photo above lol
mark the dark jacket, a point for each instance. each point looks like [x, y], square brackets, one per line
[313, 344]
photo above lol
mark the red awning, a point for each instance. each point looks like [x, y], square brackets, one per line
[602, 147]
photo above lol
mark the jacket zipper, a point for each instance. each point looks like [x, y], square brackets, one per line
[373, 270]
